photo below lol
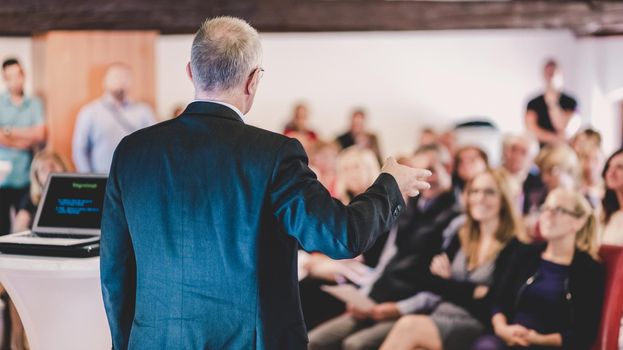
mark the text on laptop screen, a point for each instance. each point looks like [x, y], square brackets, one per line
[73, 202]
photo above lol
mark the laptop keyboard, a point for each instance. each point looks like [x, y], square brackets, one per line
[58, 235]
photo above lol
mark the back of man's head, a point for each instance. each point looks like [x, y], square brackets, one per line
[224, 53]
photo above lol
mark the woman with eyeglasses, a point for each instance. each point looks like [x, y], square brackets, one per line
[551, 294]
[461, 283]
[560, 168]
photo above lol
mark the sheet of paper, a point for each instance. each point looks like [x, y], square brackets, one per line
[350, 295]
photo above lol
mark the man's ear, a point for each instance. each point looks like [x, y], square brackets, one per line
[250, 86]
[189, 72]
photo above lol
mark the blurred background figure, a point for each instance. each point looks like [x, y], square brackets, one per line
[177, 110]
[428, 136]
[549, 116]
[323, 161]
[102, 124]
[298, 122]
[297, 128]
[586, 138]
[612, 210]
[44, 163]
[469, 161]
[22, 130]
[357, 168]
[518, 153]
[559, 167]
[359, 135]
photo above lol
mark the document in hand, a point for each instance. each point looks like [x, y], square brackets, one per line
[350, 295]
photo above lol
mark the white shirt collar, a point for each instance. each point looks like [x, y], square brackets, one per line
[226, 105]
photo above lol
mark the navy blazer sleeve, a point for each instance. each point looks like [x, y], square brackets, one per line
[306, 211]
[117, 264]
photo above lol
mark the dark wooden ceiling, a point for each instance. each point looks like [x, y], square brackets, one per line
[585, 18]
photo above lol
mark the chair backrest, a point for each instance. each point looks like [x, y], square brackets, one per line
[608, 336]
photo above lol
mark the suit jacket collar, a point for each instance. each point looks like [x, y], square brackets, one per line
[212, 109]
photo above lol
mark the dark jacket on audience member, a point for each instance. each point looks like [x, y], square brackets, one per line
[418, 239]
[461, 293]
[585, 289]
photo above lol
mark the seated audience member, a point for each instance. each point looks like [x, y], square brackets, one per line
[518, 153]
[612, 211]
[404, 261]
[357, 169]
[551, 294]
[587, 138]
[428, 136]
[591, 166]
[448, 140]
[44, 163]
[323, 160]
[461, 281]
[359, 135]
[469, 161]
[297, 128]
[298, 123]
[559, 167]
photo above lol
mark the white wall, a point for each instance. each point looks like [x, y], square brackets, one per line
[404, 79]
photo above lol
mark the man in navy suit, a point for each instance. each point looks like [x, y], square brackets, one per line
[204, 214]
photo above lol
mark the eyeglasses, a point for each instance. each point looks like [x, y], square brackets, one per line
[260, 71]
[487, 192]
[559, 211]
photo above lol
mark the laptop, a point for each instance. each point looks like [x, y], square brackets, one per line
[68, 218]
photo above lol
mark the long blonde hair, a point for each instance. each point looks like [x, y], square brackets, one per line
[355, 155]
[586, 237]
[510, 225]
[36, 188]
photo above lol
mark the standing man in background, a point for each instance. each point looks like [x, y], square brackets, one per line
[22, 129]
[102, 123]
[204, 215]
[548, 115]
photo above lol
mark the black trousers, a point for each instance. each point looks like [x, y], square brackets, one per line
[9, 198]
[318, 306]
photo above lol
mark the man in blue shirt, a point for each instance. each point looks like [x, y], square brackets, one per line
[22, 128]
[102, 123]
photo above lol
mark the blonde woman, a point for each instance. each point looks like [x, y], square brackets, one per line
[357, 168]
[44, 163]
[462, 283]
[552, 295]
[559, 167]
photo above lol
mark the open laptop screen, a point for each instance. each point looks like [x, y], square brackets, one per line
[71, 203]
